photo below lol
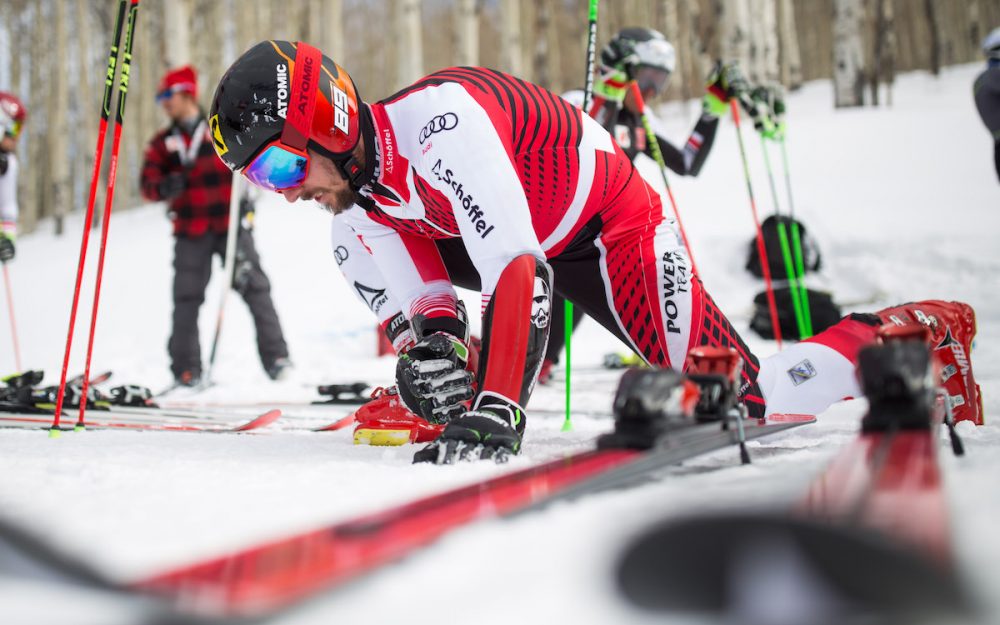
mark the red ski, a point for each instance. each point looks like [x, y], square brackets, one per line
[111, 419]
[870, 536]
[648, 437]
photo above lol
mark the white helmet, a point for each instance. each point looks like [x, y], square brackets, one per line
[991, 45]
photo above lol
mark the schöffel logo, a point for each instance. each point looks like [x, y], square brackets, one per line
[802, 372]
[448, 121]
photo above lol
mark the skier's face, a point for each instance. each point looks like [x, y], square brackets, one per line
[325, 184]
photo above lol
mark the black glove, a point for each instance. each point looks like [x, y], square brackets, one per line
[242, 268]
[432, 377]
[769, 116]
[172, 186]
[476, 435]
[724, 83]
[6, 248]
[247, 211]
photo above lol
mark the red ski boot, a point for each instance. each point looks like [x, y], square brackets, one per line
[385, 420]
[953, 328]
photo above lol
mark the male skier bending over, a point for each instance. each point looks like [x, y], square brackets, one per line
[523, 183]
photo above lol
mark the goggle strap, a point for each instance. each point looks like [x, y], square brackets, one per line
[302, 96]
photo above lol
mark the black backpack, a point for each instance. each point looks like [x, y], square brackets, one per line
[823, 313]
[772, 246]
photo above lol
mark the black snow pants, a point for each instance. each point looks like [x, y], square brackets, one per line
[192, 270]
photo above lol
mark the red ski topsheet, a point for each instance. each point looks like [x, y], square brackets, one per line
[275, 574]
[890, 482]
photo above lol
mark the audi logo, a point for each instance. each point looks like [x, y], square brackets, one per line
[340, 253]
[438, 124]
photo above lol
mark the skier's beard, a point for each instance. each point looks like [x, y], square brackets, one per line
[343, 200]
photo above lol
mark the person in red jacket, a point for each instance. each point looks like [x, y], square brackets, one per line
[473, 177]
[181, 168]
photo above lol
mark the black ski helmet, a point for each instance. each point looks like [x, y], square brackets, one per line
[291, 93]
[637, 47]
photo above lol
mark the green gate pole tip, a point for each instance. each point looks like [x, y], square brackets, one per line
[79, 427]
[568, 322]
[55, 432]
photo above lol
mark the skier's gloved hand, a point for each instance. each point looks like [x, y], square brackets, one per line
[724, 83]
[612, 85]
[247, 210]
[242, 270]
[172, 186]
[770, 110]
[432, 377]
[6, 247]
[484, 434]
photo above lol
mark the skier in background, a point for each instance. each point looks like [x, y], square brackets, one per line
[12, 116]
[644, 56]
[469, 154]
[987, 92]
[180, 167]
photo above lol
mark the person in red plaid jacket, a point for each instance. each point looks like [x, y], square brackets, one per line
[181, 168]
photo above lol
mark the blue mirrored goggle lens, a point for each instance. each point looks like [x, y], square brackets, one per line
[277, 169]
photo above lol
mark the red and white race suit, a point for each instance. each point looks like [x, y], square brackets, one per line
[489, 182]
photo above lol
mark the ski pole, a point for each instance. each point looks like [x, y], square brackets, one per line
[588, 96]
[800, 269]
[761, 251]
[13, 323]
[228, 270]
[658, 157]
[109, 196]
[109, 81]
[786, 253]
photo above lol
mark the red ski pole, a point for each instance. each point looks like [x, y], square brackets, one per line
[109, 196]
[761, 251]
[13, 324]
[98, 157]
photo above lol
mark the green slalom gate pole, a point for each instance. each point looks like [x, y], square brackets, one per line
[786, 252]
[800, 269]
[588, 94]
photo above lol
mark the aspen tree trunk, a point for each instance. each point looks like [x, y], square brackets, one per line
[87, 106]
[934, 22]
[34, 203]
[788, 45]
[332, 32]
[58, 128]
[411, 52]
[511, 51]
[763, 29]
[884, 62]
[732, 17]
[668, 12]
[467, 33]
[848, 54]
[540, 59]
[177, 32]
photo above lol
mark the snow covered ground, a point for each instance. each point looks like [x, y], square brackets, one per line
[904, 203]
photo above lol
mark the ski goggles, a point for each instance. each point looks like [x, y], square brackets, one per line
[653, 79]
[278, 167]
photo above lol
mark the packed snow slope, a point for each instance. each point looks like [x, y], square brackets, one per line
[903, 201]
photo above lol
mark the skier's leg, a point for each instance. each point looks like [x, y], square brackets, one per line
[812, 375]
[192, 270]
[253, 285]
